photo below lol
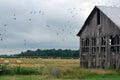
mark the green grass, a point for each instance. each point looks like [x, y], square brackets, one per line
[103, 77]
[41, 77]
[22, 77]
[59, 73]
[54, 69]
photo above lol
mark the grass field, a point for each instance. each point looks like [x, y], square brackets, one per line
[53, 69]
[38, 62]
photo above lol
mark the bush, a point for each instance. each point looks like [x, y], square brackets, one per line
[21, 70]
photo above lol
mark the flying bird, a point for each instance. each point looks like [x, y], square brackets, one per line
[29, 19]
[57, 34]
[40, 11]
[5, 24]
[48, 25]
[14, 18]
[31, 12]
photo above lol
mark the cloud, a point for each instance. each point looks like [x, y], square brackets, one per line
[32, 24]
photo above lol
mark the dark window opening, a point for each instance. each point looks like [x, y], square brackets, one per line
[103, 49]
[103, 41]
[82, 42]
[85, 49]
[112, 48]
[93, 49]
[117, 49]
[116, 39]
[98, 17]
[103, 63]
[87, 42]
[111, 40]
[93, 41]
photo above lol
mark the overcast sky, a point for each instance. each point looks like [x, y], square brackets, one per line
[43, 24]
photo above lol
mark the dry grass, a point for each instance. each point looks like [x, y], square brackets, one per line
[38, 62]
[65, 64]
[64, 69]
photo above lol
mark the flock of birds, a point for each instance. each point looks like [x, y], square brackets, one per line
[48, 26]
[74, 12]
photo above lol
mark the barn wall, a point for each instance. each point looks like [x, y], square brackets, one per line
[98, 55]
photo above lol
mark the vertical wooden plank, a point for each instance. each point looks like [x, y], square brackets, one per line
[80, 52]
[90, 52]
[107, 52]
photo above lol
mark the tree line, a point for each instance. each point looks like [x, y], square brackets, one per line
[53, 53]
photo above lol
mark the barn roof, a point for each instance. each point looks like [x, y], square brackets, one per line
[113, 13]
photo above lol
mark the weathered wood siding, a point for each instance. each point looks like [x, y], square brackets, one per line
[106, 25]
[99, 55]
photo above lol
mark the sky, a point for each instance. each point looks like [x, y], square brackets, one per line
[44, 24]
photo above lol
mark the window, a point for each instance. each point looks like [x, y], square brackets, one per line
[87, 42]
[93, 41]
[98, 17]
[116, 38]
[103, 49]
[93, 49]
[103, 41]
[82, 42]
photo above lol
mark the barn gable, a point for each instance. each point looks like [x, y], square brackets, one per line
[108, 12]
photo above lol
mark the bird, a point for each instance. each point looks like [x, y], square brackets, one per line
[40, 12]
[48, 25]
[14, 18]
[24, 42]
[1, 39]
[57, 34]
[31, 12]
[29, 19]
[5, 24]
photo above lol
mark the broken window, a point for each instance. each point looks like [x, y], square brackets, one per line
[93, 41]
[112, 48]
[87, 42]
[93, 49]
[85, 49]
[103, 40]
[103, 49]
[111, 40]
[116, 39]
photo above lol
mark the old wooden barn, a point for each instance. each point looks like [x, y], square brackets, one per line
[100, 38]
